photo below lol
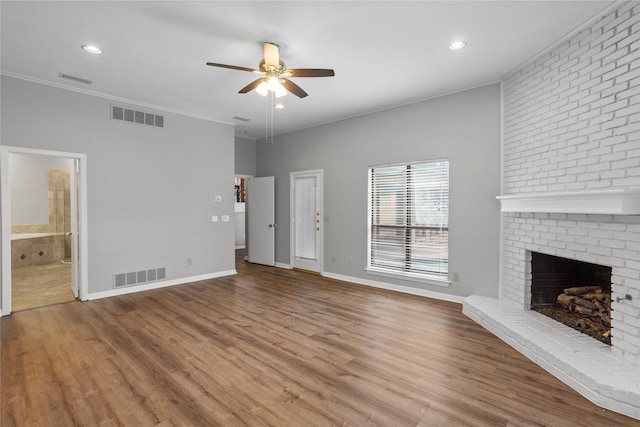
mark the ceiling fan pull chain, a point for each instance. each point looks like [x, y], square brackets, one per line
[271, 109]
[266, 118]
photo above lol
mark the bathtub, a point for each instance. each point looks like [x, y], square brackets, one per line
[29, 249]
[23, 236]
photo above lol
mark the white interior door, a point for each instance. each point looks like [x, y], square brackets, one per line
[261, 220]
[306, 221]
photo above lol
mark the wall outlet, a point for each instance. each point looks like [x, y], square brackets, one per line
[350, 261]
[456, 277]
[217, 199]
[333, 259]
[189, 261]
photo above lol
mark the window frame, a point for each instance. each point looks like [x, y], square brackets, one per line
[408, 274]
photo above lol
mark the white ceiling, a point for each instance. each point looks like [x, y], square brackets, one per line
[384, 54]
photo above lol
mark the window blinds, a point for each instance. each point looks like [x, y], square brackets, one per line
[409, 219]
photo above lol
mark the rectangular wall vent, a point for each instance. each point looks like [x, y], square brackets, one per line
[138, 277]
[120, 280]
[135, 116]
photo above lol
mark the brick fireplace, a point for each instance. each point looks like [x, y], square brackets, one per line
[574, 293]
[571, 188]
[607, 375]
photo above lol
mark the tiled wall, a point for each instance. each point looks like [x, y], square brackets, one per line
[56, 246]
[37, 251]
[572, 123]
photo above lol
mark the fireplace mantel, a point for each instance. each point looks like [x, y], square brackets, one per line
[609, 202]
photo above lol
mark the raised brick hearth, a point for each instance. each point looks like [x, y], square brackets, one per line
[583, 363]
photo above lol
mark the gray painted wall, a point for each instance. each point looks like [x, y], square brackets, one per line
[245, 156]
[463, 127]
[150, 190]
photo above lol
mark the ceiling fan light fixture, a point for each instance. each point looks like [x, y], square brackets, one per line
[280, 91]
[457, 45]
[273, 83]
[263, 88]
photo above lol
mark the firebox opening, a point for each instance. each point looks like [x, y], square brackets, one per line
[573, 292]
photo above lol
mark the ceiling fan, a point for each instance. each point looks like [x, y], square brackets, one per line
[276, 74]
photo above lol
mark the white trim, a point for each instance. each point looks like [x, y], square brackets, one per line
[158, 285]
[614, 202]
[5, 219]
[409, 276]
[396, 288]
[114, 98]
[501, 225]
[283, 265]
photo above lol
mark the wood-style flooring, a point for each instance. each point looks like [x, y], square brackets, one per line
[273, 347]
[40, 285]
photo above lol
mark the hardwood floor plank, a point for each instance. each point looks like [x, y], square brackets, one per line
[273, 347]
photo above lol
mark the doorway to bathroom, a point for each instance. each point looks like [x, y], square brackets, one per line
[43, 212]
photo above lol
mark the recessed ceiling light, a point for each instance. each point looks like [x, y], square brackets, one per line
[457, 45]
[92, 49]
[279, 107]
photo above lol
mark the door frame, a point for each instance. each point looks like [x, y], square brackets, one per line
[5, 218]
[319, 174]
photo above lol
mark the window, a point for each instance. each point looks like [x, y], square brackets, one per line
[409, 220]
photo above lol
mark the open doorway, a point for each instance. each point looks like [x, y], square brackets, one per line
[239, 209]
[43, 210]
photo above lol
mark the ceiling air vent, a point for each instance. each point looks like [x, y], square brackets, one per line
[135, 116]
[75, 78]
[242, 119]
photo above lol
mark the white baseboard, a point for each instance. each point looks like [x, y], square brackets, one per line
[397, 288]
[158, 285]
[283, 265]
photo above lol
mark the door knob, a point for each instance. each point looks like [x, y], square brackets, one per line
[317, 228]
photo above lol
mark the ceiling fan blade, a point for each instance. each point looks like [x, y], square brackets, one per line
[309, 72]
[293, 88]
[251, 86]
[271, 55]
[235, 67]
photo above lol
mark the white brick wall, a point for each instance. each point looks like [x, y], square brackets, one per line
[572, 116]
[571, 123]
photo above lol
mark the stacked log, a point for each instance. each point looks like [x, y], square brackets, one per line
[589, 302]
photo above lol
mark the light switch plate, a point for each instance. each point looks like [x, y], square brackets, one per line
[214, 218]
[225, 218]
